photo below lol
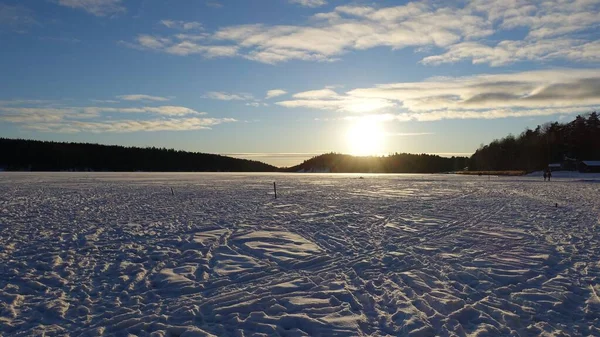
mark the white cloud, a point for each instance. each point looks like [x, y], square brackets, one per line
[314, 94]
[187, 48]
[224, 96]
[309, 3]
[109, 101]
[550, 27]
[181, 25]
[122, 126]
[356, 28]
[96, 7]
[275, 93]
[507, 52]
[103, 119]
[28, 101]
[170, 110]
[327, 99]
[29, 114]
[488, 114]
[332, 34]
[32, 115]
[152, 42]
[181, 44]
[470, 30]
[192, 37]
[587, 52]
[532, 93]
[140, 97]
[549, 18]
[167, 110]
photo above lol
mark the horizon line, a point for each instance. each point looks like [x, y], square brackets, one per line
[294, 154]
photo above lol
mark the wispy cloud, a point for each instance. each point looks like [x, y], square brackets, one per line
[550, 27]
[140, 97]
[328, 35]
[28, 101]
[106, 119]
[181, 44]
[96, 7]
[152, 42]
[167, 110]
[110, 101]
[507, 52]
[181, 25]
[37, 115]
[309, 3]
[275, 92]
[16, 18]
[60, 39]
[327, 99]
[123, 126]
[445, 31]
[208, 51]
[256, 104]
[225, 96]
[532, 93]
[213, 4]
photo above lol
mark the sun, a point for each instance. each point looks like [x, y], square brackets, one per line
[365, 138]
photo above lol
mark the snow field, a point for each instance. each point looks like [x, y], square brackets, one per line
[418, 255]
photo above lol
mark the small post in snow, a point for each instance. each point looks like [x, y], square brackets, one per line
[275, 189]
[172, 192]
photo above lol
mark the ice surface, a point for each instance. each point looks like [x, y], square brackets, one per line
[108, 254]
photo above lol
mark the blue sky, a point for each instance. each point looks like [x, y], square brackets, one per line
[279, 81]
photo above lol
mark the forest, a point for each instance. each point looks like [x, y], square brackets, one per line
[395, 163]
[33, 155]
[533, 150]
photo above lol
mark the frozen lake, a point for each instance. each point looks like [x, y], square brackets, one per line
[99, 254]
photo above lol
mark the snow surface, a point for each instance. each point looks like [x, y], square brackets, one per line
[572, 175]
[105, 254]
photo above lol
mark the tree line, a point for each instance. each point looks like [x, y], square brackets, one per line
[533, 150]
[394, 163]
[33, 155]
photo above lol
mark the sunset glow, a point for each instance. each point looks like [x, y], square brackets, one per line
[365, 137]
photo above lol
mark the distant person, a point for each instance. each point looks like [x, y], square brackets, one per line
[549, 174]
[545, 175]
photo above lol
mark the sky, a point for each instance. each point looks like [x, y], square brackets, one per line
[282, 81]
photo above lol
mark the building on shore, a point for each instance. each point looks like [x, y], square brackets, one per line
[589, 166]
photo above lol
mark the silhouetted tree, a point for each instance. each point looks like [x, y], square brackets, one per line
[18, 154]
[534, 149]
[395, 163]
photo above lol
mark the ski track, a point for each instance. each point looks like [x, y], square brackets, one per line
[335, 255]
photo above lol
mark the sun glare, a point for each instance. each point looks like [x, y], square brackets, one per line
[365, 138]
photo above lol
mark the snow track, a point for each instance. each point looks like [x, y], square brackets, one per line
[334, 255]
